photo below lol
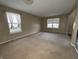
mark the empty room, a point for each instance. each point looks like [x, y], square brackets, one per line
[38, 29]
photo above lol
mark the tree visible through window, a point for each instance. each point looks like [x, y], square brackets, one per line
[53, 23]
[14, 22]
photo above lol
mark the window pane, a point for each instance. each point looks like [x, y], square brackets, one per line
[14, 22]
[49, 25]
[15, 26]
[55, 25]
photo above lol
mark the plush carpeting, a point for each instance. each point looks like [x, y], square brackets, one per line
[39, 46]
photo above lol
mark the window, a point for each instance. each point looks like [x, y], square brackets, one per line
[14, 22]
[49, 25]
[53, 23]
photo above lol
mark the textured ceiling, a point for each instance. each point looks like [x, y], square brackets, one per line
[41, 7]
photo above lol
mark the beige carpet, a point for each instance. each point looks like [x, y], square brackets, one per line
[39, 46]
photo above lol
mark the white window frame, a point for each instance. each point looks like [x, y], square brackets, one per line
[53, 22]
[14, 26]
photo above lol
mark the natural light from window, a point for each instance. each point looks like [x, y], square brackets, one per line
[53, 23]
[14, 22]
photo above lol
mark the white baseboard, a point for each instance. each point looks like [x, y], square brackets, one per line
[25, 35]
[74, 47]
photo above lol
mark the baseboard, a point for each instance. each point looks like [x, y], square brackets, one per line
[74, 47]
[19, 37]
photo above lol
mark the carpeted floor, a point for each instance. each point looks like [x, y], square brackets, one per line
[39, 46]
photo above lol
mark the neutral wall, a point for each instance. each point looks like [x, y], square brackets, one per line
[66, 23]
[74, 32]
[71, 19]
[62, 25]
[30, 24]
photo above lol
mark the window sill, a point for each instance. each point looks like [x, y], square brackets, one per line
[15, 31]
